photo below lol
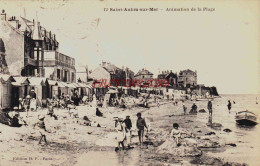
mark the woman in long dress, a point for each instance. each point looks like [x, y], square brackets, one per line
[121, 133]
[33, 104]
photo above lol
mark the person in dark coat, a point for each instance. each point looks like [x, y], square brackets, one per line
[99, 113]
[128, 122]
[193, 108]
[229, 106]
[210, 107]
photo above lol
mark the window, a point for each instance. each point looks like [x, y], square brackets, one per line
[72, 77]
[58, 73]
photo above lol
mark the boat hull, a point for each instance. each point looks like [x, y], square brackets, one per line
[246, 122]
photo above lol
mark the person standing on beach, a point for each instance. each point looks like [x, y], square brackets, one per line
[210, 107]
[184, 108]
[229, 105]
[128, 124]
[140, 124]
[121, 133]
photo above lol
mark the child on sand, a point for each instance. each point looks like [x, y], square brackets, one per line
[177, 134]
[40, 126]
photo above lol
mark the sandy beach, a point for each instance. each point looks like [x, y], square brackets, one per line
[71, 143]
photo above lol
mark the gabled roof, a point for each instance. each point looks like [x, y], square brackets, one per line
[187, 71]
[6, 77]
[21, 80]
[36, 35]
[53, 83]
[144, 72]
[169, 74]
[111, 68]
[37, 81]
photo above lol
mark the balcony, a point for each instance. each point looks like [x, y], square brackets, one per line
[30, 61]
[54, 58]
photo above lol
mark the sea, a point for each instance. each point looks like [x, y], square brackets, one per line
[246, 139]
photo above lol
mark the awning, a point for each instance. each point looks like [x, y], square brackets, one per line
[62, 84]
[52, 83]
[82, 85]
[112, 91]
[21, 80]
[37, 81]
[16, 84]
[6, 77]
[76, 85]
[135, 88]
[71, 85]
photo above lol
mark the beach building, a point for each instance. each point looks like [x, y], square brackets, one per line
[31, 50]
[144, 75]
[171, 77]
[187, 78]
[5, 90]
[107, 75]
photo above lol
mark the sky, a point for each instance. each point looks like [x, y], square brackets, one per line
[223, 45]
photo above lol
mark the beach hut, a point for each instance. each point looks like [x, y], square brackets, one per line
[71, 88]
[5, 90]
[19, 89]
[62, 88]
[53, 88]
[41, 88]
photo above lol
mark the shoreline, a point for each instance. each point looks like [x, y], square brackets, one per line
[72, 140]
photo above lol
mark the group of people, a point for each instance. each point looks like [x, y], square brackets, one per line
[29, 103]
[124, 128]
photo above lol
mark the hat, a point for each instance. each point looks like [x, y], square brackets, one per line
[41, 117]
[28, 96]
[32, 90]
[20, 99]
[127, 116]
[15, 108]
[120, 119]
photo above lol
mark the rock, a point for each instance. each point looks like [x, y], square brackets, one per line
[227, 130]
[202, 111]
[98, 125]
[231, 144]
[216, 126]
[211, 133]
[208, 144]
[199, 131]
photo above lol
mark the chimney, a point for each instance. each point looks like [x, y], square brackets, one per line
[3, 15]
[103, 64]
[14, 22]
